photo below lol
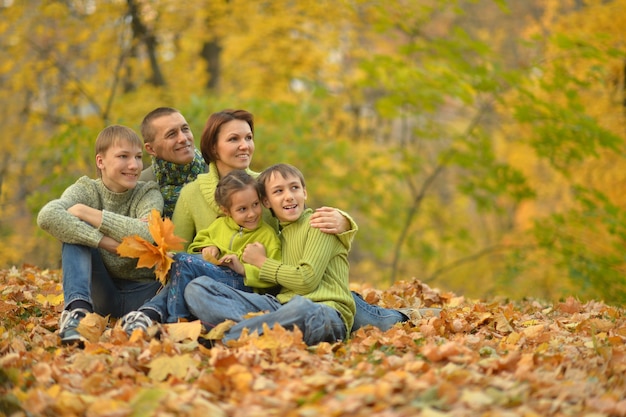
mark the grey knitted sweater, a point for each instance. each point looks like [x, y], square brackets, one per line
[123, 214]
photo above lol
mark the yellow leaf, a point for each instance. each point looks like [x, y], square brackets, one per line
[162, 231]
[218, 331]
[157, 254]
[176, 366]
[92, 326]
[50, 299]
[186, 330]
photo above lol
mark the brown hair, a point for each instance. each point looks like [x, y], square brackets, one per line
[236, 180]
[113, 134]
[147, 129]
[284, 170]
[208, 140]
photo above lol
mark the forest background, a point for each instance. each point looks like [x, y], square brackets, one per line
[478, 144]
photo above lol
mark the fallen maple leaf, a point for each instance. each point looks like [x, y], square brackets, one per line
[176, 366]
[92, 326]
[157, 254]
[184, 330]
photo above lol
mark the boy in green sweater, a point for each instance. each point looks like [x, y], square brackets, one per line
[90, 219]
[313, 273]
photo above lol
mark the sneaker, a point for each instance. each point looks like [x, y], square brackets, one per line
[68, 327]
[419, 313]
[135, 320]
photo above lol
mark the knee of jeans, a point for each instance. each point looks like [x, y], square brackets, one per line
[191, 291]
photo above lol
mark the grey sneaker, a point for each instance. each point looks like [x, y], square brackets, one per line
[69, 324]
[135, 320]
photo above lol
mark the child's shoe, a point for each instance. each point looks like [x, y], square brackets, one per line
[68, 326]
[135, 320]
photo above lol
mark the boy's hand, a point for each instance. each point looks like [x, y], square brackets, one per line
[329, 220]
[254, 254]
[87, 214]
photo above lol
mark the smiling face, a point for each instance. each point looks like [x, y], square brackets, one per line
[120, 165]
[173, 139]
[245, 207]
[285, 196]
[234, 147]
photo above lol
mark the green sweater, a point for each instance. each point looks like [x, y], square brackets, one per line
[123, 214]
[314, 265]
[230, 238]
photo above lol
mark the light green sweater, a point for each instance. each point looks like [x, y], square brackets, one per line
[230, 238]
[123, 214]
[314, 265]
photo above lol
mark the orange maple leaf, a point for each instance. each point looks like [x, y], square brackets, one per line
[157, 254]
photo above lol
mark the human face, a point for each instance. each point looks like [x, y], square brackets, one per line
[120, 166]
[245, 208]
[173, 140]
[234, 147]
[285, 196]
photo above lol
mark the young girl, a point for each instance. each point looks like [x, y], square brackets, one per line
[221, 245]
[90, 219]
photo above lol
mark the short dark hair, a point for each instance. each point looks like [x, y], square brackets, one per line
[284, 170]
[147, 130]
[208, 140]
[235, 180]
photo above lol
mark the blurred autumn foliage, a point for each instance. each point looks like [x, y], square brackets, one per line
[478, 144]
[493, 358]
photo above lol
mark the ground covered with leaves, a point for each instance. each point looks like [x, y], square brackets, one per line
[479, 358]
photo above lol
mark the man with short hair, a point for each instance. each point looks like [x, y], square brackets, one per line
[175, 160]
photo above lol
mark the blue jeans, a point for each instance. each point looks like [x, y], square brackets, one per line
[366, 313]
[170, 302]
[213, 302]
[86, 278]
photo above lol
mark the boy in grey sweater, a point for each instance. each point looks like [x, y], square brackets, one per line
[91, 218]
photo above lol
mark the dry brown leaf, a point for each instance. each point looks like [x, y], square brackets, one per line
[177, 366]
[184, 330]
[217, 333]
[92, 326]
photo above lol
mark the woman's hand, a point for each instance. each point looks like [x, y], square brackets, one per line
[329, 220]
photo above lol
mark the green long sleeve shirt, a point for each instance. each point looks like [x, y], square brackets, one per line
[123, 214]
[314, 265]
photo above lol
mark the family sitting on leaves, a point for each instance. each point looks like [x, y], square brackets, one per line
[252, 245]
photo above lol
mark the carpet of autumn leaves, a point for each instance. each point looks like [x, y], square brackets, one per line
[479, 358]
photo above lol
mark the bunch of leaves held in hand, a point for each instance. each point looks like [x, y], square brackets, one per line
[155, 255]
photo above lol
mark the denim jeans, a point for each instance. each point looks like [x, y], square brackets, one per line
[86, 278]
[366, 313]
[170, 303]
[213, 302]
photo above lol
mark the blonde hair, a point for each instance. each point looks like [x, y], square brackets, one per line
[111, 135]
